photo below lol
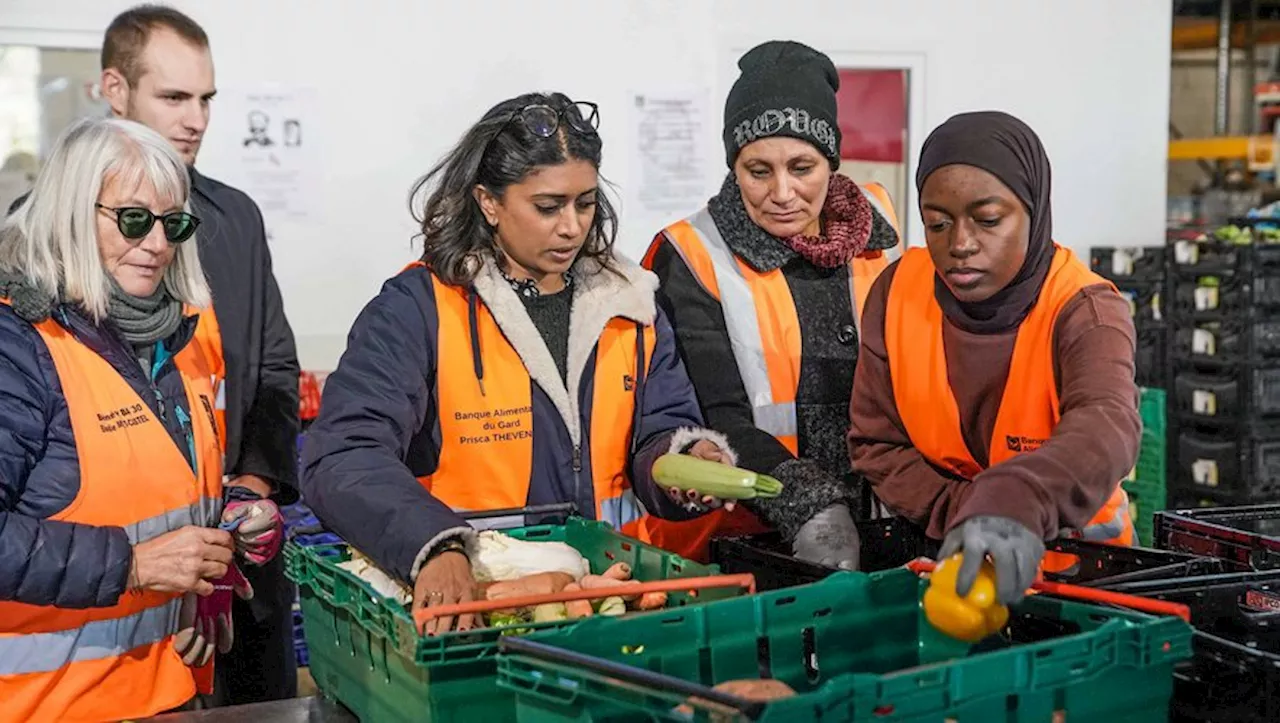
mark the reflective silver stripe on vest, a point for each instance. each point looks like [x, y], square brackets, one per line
[744, 331]
[204, 513]
[621, 510]
[96, 640]
[1110, 529]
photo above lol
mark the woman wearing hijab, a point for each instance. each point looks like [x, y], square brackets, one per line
[764, 287]
[994, 401]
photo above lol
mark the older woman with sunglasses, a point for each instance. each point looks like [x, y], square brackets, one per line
[519, 363]
[110, 469]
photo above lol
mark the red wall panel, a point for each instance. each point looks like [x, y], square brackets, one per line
[872, 112]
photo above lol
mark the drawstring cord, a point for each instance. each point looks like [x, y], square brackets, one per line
[638, 412]
[477, 362]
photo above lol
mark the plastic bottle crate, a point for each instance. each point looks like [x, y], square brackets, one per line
[885, 544]
[1151, 358]
[1244, 338]
[892, 543]
[1227, 396]
[1217, 297]
[1144, 299]
[1209, 256]
[366, 653]
[1129, 263]
[1247, 536]
[856, 647]
[1148, 481]
[1228, 464]
[299, 639]
[1234, 673]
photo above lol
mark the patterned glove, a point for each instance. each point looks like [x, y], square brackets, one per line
[204, 623]
[259, 529]
[829, 538]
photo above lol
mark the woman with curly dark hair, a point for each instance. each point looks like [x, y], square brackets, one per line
[520, 362]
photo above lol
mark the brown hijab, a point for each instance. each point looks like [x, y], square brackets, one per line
[1008, 149]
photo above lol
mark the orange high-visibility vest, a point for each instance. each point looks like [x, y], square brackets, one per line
[760, 317]
[208, 343]
[115, 662]
[486, 429]
[208, 339]
[1029, 409]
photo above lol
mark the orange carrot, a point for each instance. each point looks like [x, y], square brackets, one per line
[618, 571]
[652, 601]
[593, 582]
[577, 608]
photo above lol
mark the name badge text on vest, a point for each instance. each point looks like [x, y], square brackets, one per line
[486, 426]
[122, 418]
[1023, 444]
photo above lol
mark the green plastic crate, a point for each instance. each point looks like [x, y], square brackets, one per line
[857, 647]
[365, 652]
[1147, 483]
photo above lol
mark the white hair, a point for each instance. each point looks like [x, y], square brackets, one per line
[52, 238]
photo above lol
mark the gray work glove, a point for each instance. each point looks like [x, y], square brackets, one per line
[829, 538]
[1015, 552]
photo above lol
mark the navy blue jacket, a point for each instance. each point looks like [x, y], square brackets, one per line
[43, 561]
[378, 427]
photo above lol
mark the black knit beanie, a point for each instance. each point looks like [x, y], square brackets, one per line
[786, 89]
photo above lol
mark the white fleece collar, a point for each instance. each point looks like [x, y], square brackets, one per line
[599, 295]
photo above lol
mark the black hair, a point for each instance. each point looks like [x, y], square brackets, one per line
[497, 152]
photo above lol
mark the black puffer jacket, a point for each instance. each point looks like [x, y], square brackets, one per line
[829, 341]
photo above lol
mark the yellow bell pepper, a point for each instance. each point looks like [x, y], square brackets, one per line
[972, 617]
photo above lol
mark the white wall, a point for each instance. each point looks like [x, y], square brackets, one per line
[399, 80]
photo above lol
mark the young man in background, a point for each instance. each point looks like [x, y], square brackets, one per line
[157, 69]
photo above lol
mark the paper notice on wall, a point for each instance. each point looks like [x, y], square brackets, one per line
[269, 148]
[670, 151]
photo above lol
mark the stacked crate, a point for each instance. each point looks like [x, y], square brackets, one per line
[1226, 389]
[1141, 274]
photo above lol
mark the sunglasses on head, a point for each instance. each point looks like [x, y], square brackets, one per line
[135, 223]
[543, 120]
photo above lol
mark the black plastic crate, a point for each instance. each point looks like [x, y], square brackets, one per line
[885, 544]
[894, 542]
[1235, 394]
[1227, 296]
[1247, 536]
[1123, 263]
[1226, 465]
[1144, 300]
[1244, 338]
[1209, 256]
[1151, 359]
[1234, 674]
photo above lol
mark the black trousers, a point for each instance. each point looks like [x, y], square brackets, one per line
[261, 665]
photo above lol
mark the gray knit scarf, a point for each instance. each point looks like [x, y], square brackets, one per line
[143, 321]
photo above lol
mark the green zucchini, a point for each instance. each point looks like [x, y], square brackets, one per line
[713, 478]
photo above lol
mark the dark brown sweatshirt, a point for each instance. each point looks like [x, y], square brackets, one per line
[1063, 483]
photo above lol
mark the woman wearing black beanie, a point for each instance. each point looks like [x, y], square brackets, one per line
[763, 287]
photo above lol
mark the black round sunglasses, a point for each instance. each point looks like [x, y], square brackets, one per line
[543, 120]
[135, 223]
